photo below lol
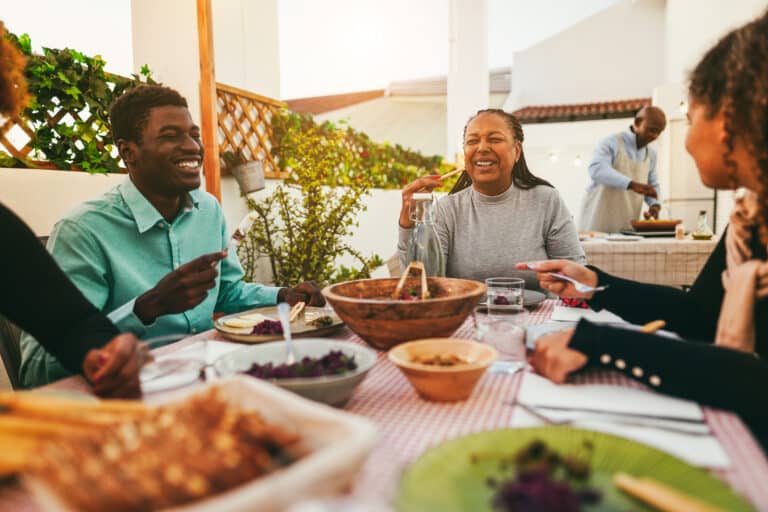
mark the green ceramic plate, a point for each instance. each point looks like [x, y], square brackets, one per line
[452, 476]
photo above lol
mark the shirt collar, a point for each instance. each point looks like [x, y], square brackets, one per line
[630, 137]
[144, 213]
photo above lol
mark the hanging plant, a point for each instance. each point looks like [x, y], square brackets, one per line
[69, 108]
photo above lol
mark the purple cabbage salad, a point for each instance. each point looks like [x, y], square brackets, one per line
[333, 363]
[544, 481]
[268, 327]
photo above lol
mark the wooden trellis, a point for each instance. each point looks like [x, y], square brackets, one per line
[245, 126]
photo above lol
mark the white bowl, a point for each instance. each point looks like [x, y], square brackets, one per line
[334, 390]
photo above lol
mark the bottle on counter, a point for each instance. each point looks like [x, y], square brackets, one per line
[702, 231]
[679, 232]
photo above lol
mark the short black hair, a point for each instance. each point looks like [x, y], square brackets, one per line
[129, 113]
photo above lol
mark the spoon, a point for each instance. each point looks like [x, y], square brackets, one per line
[580, 287]
[284, 312]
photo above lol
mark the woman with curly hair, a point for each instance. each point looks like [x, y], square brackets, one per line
[37, 296]
[724, 317]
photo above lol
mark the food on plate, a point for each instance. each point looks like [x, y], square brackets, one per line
[169, 456]
[543, 479]
[267, 327]
[501, 300]
[296, 311]
[321, 321]
[440, 360]
[334, 362]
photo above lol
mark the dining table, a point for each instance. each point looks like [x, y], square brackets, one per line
[409, 425]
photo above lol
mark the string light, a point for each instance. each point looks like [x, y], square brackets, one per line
[577, 161]
[554, 157]
[683, 107]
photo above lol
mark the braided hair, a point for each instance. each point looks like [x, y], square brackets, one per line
[522, 177]
[733, 76]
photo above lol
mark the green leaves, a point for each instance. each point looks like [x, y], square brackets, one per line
[69, 110]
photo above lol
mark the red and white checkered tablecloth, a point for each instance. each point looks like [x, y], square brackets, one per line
[409, 425]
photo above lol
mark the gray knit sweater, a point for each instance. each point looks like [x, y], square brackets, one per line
[484, 236]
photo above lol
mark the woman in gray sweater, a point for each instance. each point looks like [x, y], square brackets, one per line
[507, 215]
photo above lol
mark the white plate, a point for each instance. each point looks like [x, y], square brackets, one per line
[623, 238]
[337, 443]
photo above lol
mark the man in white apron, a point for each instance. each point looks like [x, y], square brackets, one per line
[623, 172]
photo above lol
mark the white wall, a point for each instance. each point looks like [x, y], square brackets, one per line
[693, 26]
[246, 45]
[41, 198]
[618, 53]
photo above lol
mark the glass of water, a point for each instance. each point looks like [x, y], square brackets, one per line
[504, 333]
[505, 295]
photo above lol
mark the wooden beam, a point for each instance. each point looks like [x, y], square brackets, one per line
[208, 120]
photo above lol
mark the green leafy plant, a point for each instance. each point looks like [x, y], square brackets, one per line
[69, 111]
[302, 227]
[381, 165]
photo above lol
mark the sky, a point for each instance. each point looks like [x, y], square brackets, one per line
[326, 46]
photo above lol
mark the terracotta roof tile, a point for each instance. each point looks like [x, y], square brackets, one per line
[582, 111]
[320, 104]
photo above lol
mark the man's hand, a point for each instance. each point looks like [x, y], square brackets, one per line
[559, 286]
[653, 211]
[643, 189]
[307, 292]
[553, 359]
[113, 370]
[180, 290]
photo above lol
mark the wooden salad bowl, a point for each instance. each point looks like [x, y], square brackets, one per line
[367, 308]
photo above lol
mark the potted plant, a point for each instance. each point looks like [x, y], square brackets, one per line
[248, 174]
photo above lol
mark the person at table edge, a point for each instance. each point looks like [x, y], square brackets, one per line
[724, 316]
[623, 173]
[151, 251]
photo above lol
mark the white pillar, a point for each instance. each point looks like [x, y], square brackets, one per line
[467, 67]
[165, 38]
[246, 45]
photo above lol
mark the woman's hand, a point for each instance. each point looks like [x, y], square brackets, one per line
[113, 370]
[425, 184]
[560, 287]
[553, 359]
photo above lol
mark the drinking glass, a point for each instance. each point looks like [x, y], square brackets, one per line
[505, 295]
[175, 369]
[504, 333]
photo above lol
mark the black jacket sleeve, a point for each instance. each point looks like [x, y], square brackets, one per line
[691, 314]
[37, 296]
[711, 375]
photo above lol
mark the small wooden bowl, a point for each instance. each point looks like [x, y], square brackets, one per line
[366, 307]
[443, 383]
[655, 225]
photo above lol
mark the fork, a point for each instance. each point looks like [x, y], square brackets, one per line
[580, 287]
[284, 312]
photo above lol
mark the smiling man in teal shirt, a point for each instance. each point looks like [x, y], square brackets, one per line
[150, 252]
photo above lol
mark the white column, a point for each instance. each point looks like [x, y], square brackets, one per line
[467, 67]
[246, 45]
[165, 38]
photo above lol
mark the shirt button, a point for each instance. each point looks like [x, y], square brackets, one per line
[194, 330]
[655, 380]
[605, 359]
[637, 372]
[620, 364]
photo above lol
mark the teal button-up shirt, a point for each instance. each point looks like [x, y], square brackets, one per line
[118, 246]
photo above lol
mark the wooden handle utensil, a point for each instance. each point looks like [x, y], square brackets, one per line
[417, 266]
[296, 311]
[659, 495]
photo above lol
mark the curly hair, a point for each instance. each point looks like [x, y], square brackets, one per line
[13, 86]
[129, 113]
[522, 177]
[733, 76]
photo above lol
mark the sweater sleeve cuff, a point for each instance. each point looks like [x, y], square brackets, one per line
[586, 339]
